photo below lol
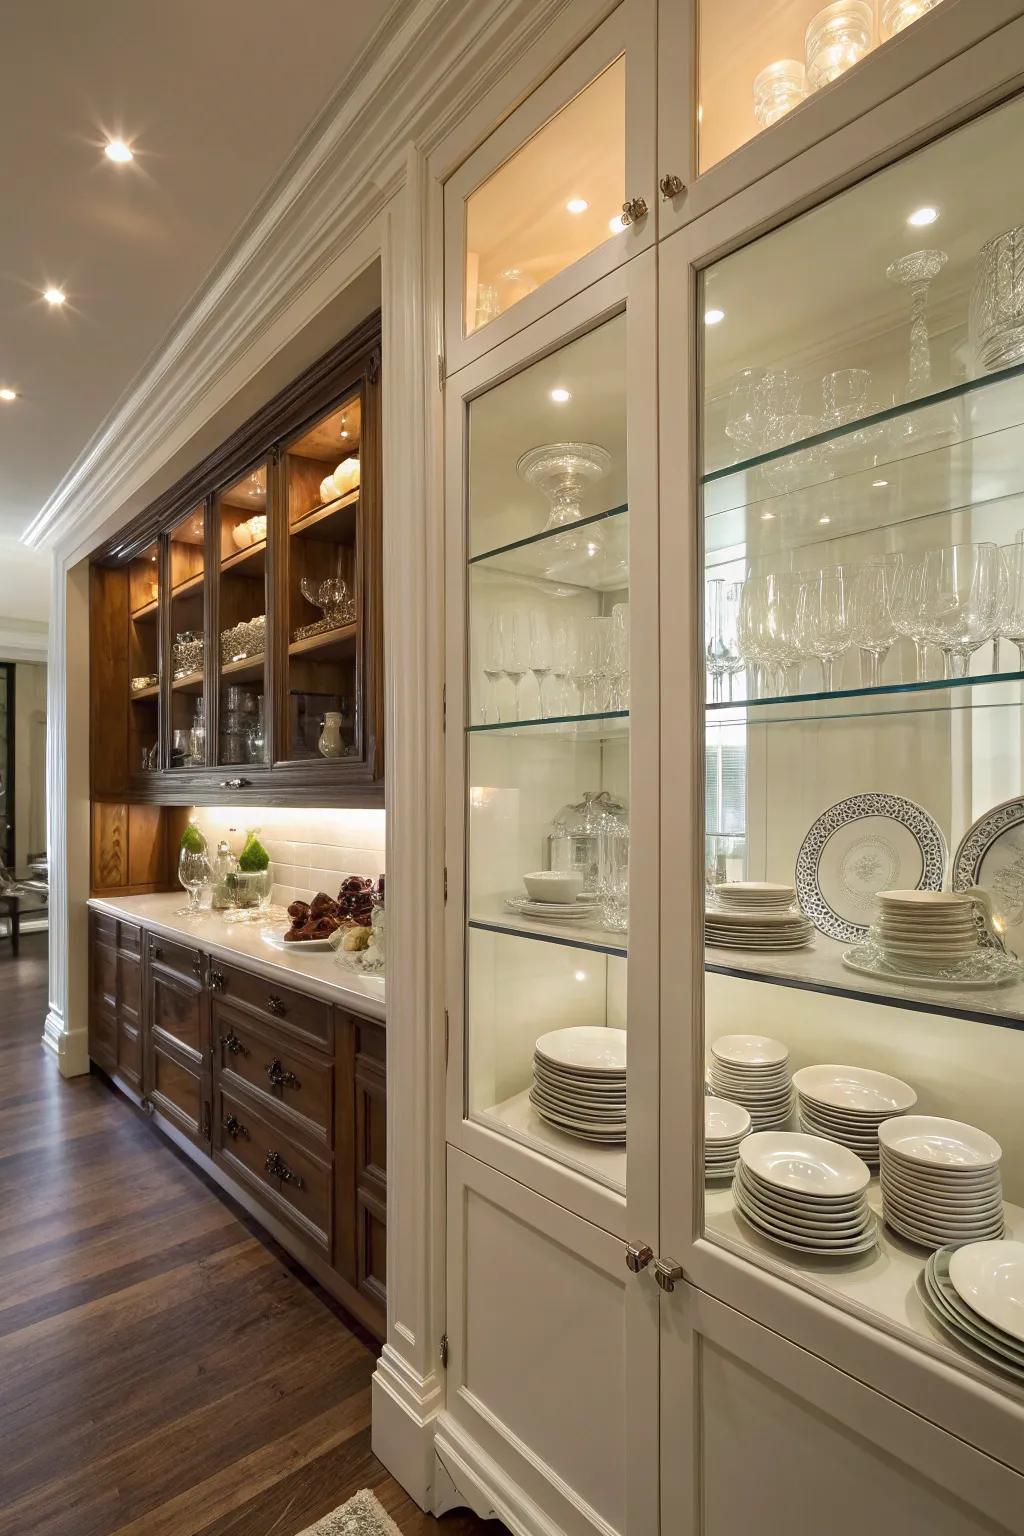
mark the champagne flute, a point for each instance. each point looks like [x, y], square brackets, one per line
[540, 655]
[493, 671]
[515, 659]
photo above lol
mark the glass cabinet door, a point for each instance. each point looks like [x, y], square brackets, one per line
[547, 755]
[186, 566]
[240, 539]
[324, 589]
[756, 62]
[144, 661]
[863, 598]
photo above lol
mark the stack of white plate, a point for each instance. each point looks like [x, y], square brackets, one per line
[976, 1293]
[805, 1192]
[754, 896]
[848, 1104]
[940, 1181]
[925, 930]
[756, 930]
[579, 1082]
[725, 1125]
[753, 1070]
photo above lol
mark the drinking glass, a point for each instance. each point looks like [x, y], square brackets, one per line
[613, 872]
[961, 602]
[194, 873]
[563, 662]
[1011, 604]
[837, 38]
[713, 589]
[778, 88]
[493, 670]
[515, 658]
[872, 625]
[908, 612]
[826, 618]
[540, 655]
[997, 302]
[619, 656]
[333, 598]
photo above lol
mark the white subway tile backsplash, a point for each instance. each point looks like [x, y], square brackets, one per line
[310, 850]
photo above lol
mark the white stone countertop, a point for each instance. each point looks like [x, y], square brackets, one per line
[321, 974]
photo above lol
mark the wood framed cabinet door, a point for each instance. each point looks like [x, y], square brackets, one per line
[129, 1005]
[103, 991]
[177, 1055]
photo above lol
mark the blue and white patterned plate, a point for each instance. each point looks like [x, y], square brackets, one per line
[858, 847]
[991, 854]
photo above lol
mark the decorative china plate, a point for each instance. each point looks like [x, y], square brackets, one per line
[991, 855]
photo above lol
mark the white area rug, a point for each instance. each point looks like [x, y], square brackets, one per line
[361, 1515]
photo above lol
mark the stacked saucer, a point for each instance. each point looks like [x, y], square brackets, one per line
[848, 1104]
[753, 1070]
[940, 1181]
[579, 1082]
[725, 1125]
[922, 931]
[976, 1293]
[806, 1193]
[754, 896]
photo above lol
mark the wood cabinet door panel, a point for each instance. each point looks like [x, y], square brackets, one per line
[129, 1053]
[129, 988]
[291, 1081]
[176, 1012]
[290, 1180]
[371, 1162]
[177, 1091]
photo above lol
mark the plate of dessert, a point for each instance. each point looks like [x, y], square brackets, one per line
[331, 922]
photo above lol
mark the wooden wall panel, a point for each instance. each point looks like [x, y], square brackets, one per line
[109, 631]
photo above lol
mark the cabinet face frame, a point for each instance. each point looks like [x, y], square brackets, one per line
[630, 289]
[790, 148]
[629, 31]
[933, 1381]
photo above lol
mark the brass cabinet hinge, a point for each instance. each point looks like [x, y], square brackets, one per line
[443, 1351]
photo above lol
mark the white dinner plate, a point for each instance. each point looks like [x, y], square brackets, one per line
[809, 1213]
[819, 1250]
[852, 1121]
[794, 1160]
[749, 1050]
[296, 946]
[932, 1141]
[724, 1120]
[989, 1278]
[592, 1047]
[989, 856]
[754, 890]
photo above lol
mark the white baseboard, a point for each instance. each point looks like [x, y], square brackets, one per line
[405, 1409]
[70, 1046]
[469, 1476]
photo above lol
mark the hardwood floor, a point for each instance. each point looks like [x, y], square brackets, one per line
[164, 1370]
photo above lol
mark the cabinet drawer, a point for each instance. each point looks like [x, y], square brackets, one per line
[129, 938]
[293, 1183]
[177, 1092]
[102, 929]
[129, 1053]
[291, 1079]
[307, 1017]
[181, 959]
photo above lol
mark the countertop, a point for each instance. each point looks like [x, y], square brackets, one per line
[321, 974]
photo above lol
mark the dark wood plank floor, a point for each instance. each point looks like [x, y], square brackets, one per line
[164, 1370]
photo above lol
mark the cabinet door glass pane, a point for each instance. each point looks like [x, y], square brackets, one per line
[548, 755]
[187, 574]
[863, 508]
[555, 199]
[758, 62]
[144, 660]
[240, 523]
[324, 589]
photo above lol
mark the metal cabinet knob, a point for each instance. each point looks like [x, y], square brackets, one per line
[276, 1005]
[638, 1258]
[156, 951]
[234, 1128]
[276, 1166]
[279, 1077]
[218, 981]
[671, 185]
[231, 1043]
[667, 1272]
[635, 209]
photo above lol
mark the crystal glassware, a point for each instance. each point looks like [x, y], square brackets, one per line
[872, 624]
[908, 612]
[916, 272]
[540, 656]
[825, 618]
[515, 658]
[562, 472]
[197, 735]
[997, 302]
[961, 601]
[493, 670]
[1011, 598]
[619, 657]
[613, 872]
[778, 88]
[563, 666]
[333, 598]
[837, 38]
[194, 873]
[897, 14]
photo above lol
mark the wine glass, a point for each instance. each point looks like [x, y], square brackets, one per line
[540, 655]
[1011, 604]
[713, 590]
[515, 658]
[493, 670]
[194, 873]
[908, 612]
[826, 618]
[310, 589]
[563, 665]
[619, 654]
[961, 601]
[872, 625]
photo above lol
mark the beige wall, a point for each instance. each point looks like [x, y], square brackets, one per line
[29, 760]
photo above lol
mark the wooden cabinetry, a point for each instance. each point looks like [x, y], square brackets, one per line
[279, 1095]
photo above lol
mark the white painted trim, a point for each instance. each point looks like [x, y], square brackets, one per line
[404, 1414]
[70, 1046]
[24, 640]
[478, 1481]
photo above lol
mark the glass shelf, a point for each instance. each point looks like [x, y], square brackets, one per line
[496, 918]
[988, 691]
[820, 969]
[614, 723]
[516, 1118]
[592, 553]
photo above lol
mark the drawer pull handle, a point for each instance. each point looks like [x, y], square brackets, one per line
[276, 1006]
[279, 1077]
[232, 1043]
[234, 1128]
[156, 951]
[218, 981]
[197, 963]
[235, 783]
[278, 1169]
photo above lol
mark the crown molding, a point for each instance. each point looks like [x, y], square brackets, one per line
[422, 71]
[23, 640]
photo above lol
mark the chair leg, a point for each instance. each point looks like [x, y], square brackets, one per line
[15, 932]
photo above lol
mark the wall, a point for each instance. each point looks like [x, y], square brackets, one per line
[29, 760]
[311, 850]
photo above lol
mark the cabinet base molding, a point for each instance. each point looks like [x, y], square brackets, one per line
[70, 1046]
[404, 1416]
[472, 1478]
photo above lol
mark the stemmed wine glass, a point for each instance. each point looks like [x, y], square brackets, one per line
[619, 657]
[193, 872]
[540, 655]
[908, 612]
[961, 602]
[1011, 605]
[515, 658]
[825, 617]
[872, 625]
[493, 670]
[563, 653]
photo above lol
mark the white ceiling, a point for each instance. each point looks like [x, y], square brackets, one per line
[213, 98]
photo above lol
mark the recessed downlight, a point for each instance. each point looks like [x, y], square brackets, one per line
[561, 396]
[55, 297]
[8, 394]
[617, 224]
[879, 485]
[118, 151]
[921, 217]
[577, 205]
[824, 519]
[714, 316]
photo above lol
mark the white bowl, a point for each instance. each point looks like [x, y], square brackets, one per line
[934, 1142]
[810, 1164]
[562, 885]
[724, 1120]
[749, 1050]
[855, 1089]
[989, 1277]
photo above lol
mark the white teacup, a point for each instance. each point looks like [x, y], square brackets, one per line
[553, 885]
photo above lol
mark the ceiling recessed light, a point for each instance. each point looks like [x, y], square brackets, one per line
[767, 517]
[617, 224]
[922, 216]
[55, 296]
[714, 316]
[824, 518]
[560, 396]
[118, 151]
[878, 485]
[577, 205]
[8, 394]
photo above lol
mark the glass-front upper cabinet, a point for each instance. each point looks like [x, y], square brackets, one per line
[863, 594]
[240, 522]
[186, 582]
[324, 595]
[144, 660]
[547, 754]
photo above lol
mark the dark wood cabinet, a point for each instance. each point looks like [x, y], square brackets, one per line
[279, 1095]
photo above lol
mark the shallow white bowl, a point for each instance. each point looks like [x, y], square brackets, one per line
[934, 1142]
[724, 1120]
[589, 1047]
[989, 1277]
[553, 884]
[749, 1050]
[810, 1164]
[855, 1088]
